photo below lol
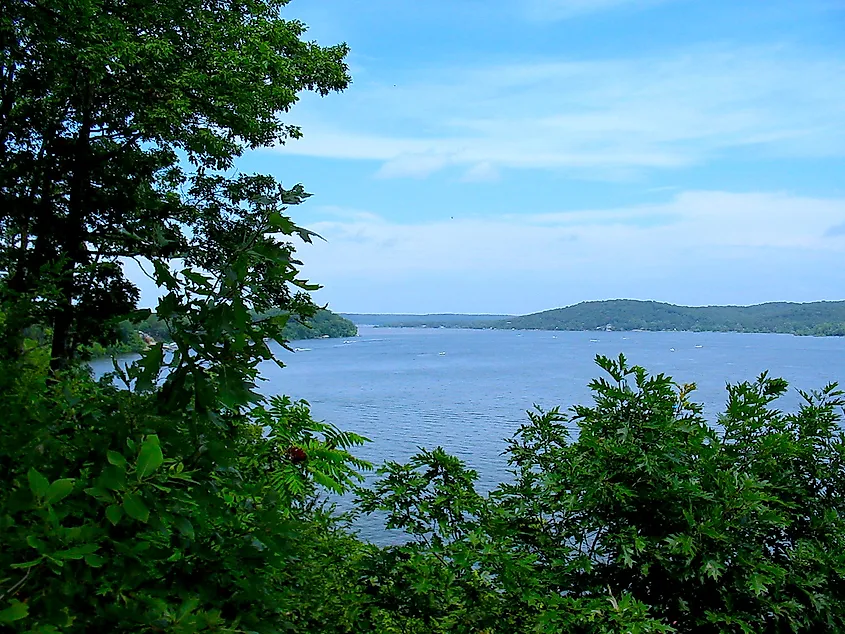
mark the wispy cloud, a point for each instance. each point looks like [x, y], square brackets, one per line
[600, 118]
[716, 236]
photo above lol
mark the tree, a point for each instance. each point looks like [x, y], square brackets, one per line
[183, 501]
[118, 121]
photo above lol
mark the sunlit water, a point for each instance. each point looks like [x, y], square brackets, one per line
[468, 390]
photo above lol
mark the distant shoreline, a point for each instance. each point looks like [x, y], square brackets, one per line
[592, 332]
[819, 319]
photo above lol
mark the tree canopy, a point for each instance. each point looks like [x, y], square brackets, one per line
[119, 125]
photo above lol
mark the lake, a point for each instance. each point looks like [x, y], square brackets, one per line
[468, 390]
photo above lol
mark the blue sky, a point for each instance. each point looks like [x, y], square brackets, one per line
[513, 156]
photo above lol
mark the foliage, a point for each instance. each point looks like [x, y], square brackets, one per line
[169, 496]
[648, 520]
[323, 324]
[815, 318]
[134, 337]
[117, 125]
[117, 517]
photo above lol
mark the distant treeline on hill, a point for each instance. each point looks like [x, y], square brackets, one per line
[324, 324]
[136, 337]
[816, 318]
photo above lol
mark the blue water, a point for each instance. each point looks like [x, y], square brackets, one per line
[396, 386]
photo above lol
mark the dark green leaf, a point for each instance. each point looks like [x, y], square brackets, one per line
[15, 612]
[116, 458]
[185, 527]
[38, 484]
[58, 490]
[135, 507]
[114, 513]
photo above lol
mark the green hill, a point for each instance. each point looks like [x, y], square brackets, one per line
[816, 318]
[324, 324]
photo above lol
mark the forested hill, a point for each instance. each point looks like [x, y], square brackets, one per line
[136, 337]
[816, 318]
[324, 324]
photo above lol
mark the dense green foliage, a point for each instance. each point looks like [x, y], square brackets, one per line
[136, 337]
[817, 318]
[119, 123]
[171, 496]
[324, 323]
[633, 515]
[182, 501]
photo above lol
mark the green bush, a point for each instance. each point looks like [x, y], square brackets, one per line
[633, 515]
[117, 516]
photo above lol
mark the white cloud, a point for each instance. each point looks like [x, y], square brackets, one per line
[484, 172]
[600, 118]
[413, 165]
[703, 245]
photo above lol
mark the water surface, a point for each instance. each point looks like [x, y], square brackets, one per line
[468, 390]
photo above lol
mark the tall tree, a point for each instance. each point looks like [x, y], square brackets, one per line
[185, 502]
[118, 123]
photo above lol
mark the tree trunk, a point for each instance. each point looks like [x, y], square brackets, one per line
[73, 252]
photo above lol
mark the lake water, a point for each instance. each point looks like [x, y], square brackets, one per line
[468, 390]
[398, 388]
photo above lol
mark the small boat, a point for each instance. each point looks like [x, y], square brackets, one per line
[671, 350]
[699, 346]
[301, 349]
[442, 354]
[594, 340]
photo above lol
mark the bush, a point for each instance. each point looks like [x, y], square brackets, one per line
[645, 520]
[117, 516]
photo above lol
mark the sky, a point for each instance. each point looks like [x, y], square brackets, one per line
[511, 156]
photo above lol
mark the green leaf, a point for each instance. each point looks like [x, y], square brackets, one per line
[758, 584]
[713, 568]
[27, 564]
[114, 513]
[37, 483]
[135, 507]
[150, 457]
[100, 493]
[15, 612]
[77, 552]
[116, 459]
[114, 478]
[36, 543]
[148, 367]
[185, 527]
[95, 561]
[59, 490]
